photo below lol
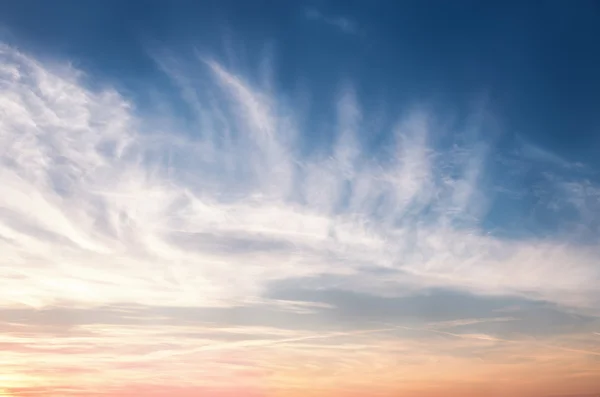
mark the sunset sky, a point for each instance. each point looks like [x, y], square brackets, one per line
[299, 198]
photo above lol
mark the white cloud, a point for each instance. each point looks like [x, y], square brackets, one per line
[343, 24]
[98, 206]
[540, 154]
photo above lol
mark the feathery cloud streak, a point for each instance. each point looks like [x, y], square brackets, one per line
[343, 24]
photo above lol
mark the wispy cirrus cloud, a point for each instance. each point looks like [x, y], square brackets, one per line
[104, 204]
[342, 23]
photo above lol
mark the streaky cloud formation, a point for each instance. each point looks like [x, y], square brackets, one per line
[343, 24]
[82, 178]
[146, 254]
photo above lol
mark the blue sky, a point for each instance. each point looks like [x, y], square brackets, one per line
[263, 174]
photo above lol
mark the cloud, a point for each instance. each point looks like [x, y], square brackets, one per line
[343, 24]
[106, 208]
[168, 354]
[92, 200]
[537, 153]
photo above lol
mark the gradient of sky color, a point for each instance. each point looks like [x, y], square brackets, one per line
[299, 198]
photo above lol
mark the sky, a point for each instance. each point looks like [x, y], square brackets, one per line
[299, 198]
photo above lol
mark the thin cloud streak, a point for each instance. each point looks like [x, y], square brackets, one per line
[343, 24]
